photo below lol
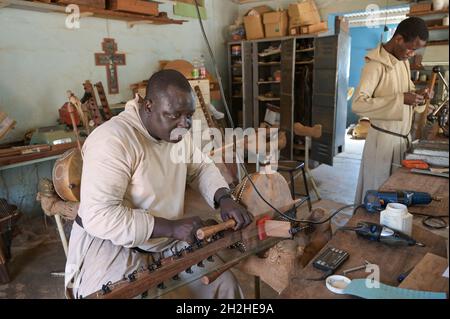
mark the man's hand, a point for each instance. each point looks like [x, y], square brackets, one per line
[230, 209]
[181, 229]
[426, 93]
[411, 98]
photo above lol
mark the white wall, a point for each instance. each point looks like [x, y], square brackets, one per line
[40, 58]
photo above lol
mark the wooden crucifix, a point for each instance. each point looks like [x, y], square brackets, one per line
[110, 59]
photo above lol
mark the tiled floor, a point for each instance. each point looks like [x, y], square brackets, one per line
[37, 252]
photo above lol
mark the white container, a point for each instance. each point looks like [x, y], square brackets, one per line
[445, 20]
[396, 216]
[438, 5]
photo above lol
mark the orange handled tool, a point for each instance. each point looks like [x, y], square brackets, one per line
[415, 164]
[209, 231]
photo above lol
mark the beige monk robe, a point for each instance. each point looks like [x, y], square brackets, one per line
[129, 177]
[379, 96]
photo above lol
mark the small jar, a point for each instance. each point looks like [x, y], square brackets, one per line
[423, 77]
[396, 216]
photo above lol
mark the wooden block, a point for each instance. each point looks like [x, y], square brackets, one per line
[134, 6]
[420, 7]
[88, 3]
[277, 228]
[427, 275]
[315, 28]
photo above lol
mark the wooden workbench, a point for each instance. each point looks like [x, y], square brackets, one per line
[392, 261]
[438, 187]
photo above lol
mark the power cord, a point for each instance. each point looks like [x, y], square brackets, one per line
[433, 221]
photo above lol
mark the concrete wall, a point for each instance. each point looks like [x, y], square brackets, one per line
[40, 59]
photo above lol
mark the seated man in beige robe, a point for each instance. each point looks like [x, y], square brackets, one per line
[387, 96]
[133, 189]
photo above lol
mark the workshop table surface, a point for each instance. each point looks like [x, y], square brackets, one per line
[438, 187]
[392, 261]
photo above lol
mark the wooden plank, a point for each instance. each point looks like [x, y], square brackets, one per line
[425, 13]
[101, 13]
[55, 150]
[392, 261]
[427, 275]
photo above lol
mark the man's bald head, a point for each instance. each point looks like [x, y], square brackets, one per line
[168, 106]
[163, 82]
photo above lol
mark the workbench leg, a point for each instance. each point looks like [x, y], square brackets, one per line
[257, 287]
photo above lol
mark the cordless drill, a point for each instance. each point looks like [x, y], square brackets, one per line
[375, 201]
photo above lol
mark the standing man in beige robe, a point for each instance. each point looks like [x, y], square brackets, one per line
[133, 189]
[387, 96]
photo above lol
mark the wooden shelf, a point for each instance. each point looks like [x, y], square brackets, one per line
[267, 99]
[432, 43]
[264, 54]
[268, 82]
[131, 18]
[305, 62]
[269, 63]
[305, 50]
[426, 13]
[299, 147]
[438, 27]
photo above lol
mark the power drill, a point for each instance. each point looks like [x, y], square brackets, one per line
[375, 201]
[383, 234]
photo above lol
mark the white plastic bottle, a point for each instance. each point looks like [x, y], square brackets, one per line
[202, 67]
[396, 216]
[195, 70]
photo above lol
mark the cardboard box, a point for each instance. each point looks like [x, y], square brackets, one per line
[294, 30]
[253, 22]
[315, 28]
[134, 6]
[420, 7]
[303, 13]
[276, 24]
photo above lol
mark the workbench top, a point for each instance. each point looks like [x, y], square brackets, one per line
[392, 261]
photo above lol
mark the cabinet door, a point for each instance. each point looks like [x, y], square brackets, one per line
[247, 82]
[329, 99]
[287, 94]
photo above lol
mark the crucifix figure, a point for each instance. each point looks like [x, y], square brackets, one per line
[111, 60]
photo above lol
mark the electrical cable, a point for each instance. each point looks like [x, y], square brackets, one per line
[247, 175]
[216, 69]
[433, 221]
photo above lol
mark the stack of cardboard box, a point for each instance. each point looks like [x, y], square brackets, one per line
[253, 22]
[304, 18]
[263, 22]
